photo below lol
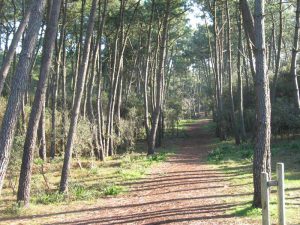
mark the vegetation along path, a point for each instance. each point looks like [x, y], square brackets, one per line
[183, 190]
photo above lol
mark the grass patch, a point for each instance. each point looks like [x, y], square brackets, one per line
[89, 181]
[248, 211]
[49, 198]
[160, 157]
[113, 190]
[236, 163]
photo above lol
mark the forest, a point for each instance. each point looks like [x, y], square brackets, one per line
[99, 96]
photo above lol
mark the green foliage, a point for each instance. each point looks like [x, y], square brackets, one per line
[49, 198]
[228, 151]
[285, 119]
[130, 174]
[14, 209]
[80, 192]
[248, 211]
[231, 160]
[158, 157]
[113, 190]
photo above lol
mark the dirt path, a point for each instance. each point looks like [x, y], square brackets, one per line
[184, 190]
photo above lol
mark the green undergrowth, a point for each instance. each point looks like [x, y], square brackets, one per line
[236, 163]
[90, 181]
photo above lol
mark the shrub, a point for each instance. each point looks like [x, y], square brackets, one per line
[113, 190]
[49, 198]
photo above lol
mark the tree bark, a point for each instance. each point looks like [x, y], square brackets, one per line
[295, 52]
[39, 98]
[278, 58]
[12, 49]
[240, 82]
[76, 108]
[261, 160]
[18, 87]
[146, 78]
[159, 81]
[229, 59]
[42, 135]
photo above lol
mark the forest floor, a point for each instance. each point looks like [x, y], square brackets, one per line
[183, 190]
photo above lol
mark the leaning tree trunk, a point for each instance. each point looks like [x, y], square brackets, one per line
[294, 57]
[18, 87]
[261, 160]
[76, 107]
[37, 107]
[12, 49]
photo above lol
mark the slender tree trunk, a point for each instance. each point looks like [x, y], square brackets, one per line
[79, 51]
[220, 131]
[159, 81]
[42, 135]
[39, 98]
[295, 56]
[278, 58]
[261, 160]
[229, 58]
[240, 82]
[146, 79]
[12, 49]
[99, 84]
[63, 78]
[18, 87]
[55, 80]
[76, 108]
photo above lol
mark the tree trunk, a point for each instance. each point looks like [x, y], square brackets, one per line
[278, 59]
[12, 49]
[159, 81]
[42, 135]
[99, 84]
[146, 79]
[18, 87]
[76, 108]
[39, 98]
[229, 58]
[240, 82]
[295, 56]
[261, 160]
